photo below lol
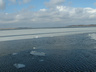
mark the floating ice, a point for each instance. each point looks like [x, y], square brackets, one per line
[18, 66]
[34, 47]
[93, 36]
[14, 53]
[36, 37]
[37, 53]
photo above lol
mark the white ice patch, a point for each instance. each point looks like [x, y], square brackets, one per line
[37, 53]
[34, 47]
[92, 36]
[18, 66]
[14, 53]
[36, 36]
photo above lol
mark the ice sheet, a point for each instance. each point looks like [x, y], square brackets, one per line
[8, 35]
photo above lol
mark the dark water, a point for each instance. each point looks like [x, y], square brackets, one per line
[73, 53]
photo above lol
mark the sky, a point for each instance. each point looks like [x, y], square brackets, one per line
[46, 13]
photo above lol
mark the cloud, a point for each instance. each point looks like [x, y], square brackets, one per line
[60, 16]
[2, 5]
[19, 1]
[23, 1]
[53, 3]
[56, 15]
[26, 1]
[95, 4]
[43, 9]
[13, 1]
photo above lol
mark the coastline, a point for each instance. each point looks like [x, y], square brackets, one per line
[70, 26]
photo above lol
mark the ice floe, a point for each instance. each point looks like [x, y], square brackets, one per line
[14, 53]
[18, 66]
[92, 36]
[36, 36]
[34, 47]
[37, 53]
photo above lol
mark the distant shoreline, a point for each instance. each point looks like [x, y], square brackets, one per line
[70, 26]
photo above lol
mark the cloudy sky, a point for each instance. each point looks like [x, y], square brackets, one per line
[46, 13]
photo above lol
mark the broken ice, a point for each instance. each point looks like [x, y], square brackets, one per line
[34, 47]
[14, 53]
[37, 53]
[19, 66]
[93, 36]
[36, 37]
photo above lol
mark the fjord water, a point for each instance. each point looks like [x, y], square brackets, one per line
[65, 49]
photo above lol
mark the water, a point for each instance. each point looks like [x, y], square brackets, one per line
[66, 50]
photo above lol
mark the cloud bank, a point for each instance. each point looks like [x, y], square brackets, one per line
[56, 15]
